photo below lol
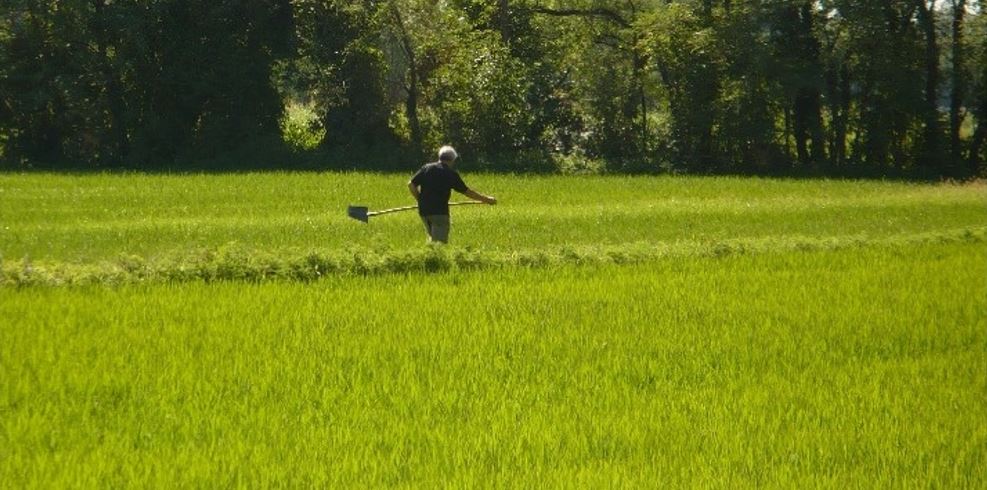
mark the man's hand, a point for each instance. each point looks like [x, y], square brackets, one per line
[414, 190]
[480, 197]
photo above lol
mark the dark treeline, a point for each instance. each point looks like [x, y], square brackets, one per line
[763, 86]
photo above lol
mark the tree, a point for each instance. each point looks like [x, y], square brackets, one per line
[617, 101]
[344, 71]
[979, 103]
[49, 116]
[798, 52]
[412, 85]
[883, 44]
[139, 82]
[684, 55]
[700, 85]
[959, 81]
[836, 59]
[932, 131]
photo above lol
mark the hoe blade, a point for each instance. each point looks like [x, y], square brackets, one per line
[358, 213]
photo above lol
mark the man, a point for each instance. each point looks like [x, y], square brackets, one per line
[432, 186]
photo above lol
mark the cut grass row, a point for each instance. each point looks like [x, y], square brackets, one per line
[860, 367]
[234, 262]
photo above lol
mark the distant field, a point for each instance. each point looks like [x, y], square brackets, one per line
[239, 330]
[93, 217]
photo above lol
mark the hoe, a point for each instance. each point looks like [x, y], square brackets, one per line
[362, 213]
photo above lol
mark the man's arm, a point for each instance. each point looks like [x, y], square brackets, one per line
[470, 193]
[459, 186]
[413, 188]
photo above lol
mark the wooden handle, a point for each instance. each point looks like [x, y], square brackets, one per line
[409, 208]
[394, 210]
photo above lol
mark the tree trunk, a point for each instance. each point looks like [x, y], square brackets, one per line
[959, 83]
[639, 62]
[979, 138]
[808, 99]
[788, 132]
[844, 120]
[874, 130]
[980, 111]
[808, 126]
[411, 107]
[930, 150]
[503, 17]
[838, 95]
[832, 98]
[114, 90]
[801, 129]
[815, 95]
[413, 88]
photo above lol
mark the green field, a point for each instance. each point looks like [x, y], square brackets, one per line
[630, 331]
[60, 228]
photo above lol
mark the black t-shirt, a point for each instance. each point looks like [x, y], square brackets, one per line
[437, 181]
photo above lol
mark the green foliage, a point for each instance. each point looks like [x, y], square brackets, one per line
[478, 97]
[978, 41]
[302, 128]
[102, 83]
[837, 86]
[684, 52]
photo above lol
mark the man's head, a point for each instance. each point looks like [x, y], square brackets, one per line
[448, 155]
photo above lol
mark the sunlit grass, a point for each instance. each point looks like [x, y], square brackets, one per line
[238, 330]
[82, 219]
[852, 368]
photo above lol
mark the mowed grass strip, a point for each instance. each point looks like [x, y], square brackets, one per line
[235, 262]
[88, 218]
[851, 368]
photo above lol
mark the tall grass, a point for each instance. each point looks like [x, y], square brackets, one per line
[239, 330]
[861, 367]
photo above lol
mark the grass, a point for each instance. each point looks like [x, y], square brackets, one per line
[239, 330]
[92, 218]
[236, 263]
[857, 368]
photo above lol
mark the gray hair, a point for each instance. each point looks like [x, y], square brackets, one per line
[447, 154]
